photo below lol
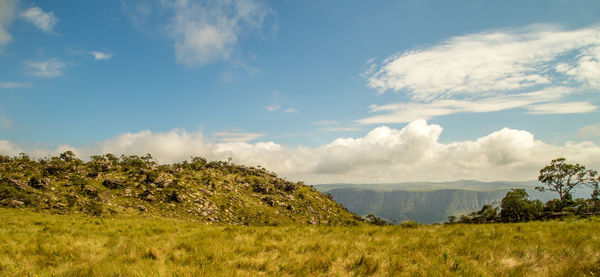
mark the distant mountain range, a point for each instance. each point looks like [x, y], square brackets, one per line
[428, 202]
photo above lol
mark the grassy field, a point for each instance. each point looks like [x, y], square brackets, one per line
[44, 244]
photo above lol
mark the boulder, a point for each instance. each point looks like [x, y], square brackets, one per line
[112, 184]
[13, 203]
[90, 192]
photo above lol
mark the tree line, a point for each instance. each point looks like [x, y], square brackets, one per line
[560, 177]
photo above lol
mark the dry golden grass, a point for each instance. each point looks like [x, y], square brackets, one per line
[76, 245]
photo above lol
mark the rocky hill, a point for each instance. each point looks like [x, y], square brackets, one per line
[197, 190]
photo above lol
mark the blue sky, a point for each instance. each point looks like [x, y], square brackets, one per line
[323, 91]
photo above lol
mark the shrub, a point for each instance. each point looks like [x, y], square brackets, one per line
[372, 219]
[516, 207]
[409, 224]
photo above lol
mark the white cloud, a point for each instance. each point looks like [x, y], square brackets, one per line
[7, 15]
[531, 68]
[562, 108]
[99, 56]
[9, 85]
[9, 149]
[45, 21]
[207, 31]
[545, 101]
[590, 131]
[272, 108]
[237, 136]
[586, 68]
[413, 153]
[49, 68]
[491, 62]
[291, 110]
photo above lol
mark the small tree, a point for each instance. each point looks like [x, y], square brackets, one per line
[563, 177]
[68, 156]
[516, 207]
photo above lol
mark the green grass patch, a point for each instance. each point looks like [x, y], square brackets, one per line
[44, 244]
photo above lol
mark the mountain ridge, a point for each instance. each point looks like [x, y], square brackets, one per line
[429, 202]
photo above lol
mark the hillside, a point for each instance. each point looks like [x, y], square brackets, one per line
[196, 190]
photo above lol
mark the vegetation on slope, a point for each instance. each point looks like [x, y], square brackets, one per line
[44, 244]
[192, 190]
[560, 177]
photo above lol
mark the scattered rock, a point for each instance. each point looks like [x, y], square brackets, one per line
[261, 188]
[268, 200]
[18, 184]
[127, 192]
[149, 197]
[38, 183]
[176, 197]
[205, 191]
[13, 203]
[90, 192]
[141, 208]
[112, 184]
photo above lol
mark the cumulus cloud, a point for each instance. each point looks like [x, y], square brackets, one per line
[413, 153]
[99, 56]
[7, 15]
[49, 68]
[9, 149]
[207, 31]
[45, 21]
[8, 85]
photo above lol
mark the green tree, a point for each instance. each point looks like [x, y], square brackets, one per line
[562, 177]
[68, 156]
[516, 207]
